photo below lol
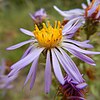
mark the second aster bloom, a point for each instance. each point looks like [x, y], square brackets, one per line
[39, 16]
[54, 41]
[92, 10]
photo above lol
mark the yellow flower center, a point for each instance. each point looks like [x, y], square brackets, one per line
[48, 36]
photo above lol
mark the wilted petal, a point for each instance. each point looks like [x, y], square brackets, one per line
[48, 73]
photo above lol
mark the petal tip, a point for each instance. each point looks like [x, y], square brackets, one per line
[7, 48]
[21, 29]
[81, 86]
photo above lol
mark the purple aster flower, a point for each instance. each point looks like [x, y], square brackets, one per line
[90, 11]
[5, 82]
[39, 16]
[55, 41]
[72, 90]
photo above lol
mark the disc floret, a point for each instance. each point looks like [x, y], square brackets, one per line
[49, 36]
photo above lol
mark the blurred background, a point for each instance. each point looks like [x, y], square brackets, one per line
[14, 14]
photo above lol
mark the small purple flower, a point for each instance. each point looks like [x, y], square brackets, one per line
[55, 41]
[90, 11]
[72, 90]
[39, 16]
[5, 82]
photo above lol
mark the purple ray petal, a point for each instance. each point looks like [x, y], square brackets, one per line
[70, 25]
[88, 1]
[26, 32]
[32, 16]
[70, 63]
[81, 86]
[48, 73]
[29, 58]
[19, 45]
[60, 11]
[69, 14]
[65, 64]
[10, 79]
[81, 44]
[12, 72]
[76, 27]
[65, 30]
[25, 61]
[86, 41]
[27, 51]
[56, 68]
[34, 65]
[92, 10]
[72, 32]
[82, 57]
[76, 11]
[84, 6]
[68, 78]
[74, 82]
[32, 70]
[73, 47]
